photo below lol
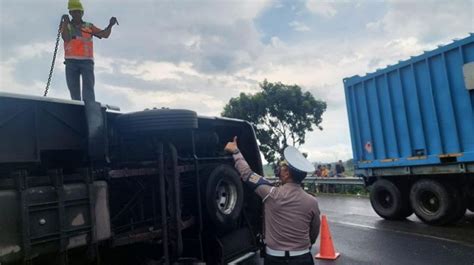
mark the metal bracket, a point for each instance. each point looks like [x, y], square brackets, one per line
[58, 179]
[22, 187]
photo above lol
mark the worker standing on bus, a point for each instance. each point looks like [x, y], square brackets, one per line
[291, 215]
[78, 50]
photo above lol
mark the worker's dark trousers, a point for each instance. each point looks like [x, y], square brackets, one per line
[74, 70]
[305, 259]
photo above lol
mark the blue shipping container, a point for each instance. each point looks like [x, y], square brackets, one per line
[417, 112]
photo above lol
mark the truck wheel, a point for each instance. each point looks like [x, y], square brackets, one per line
[388, 202]
[431, 201]
[224, 196]
[150, 121]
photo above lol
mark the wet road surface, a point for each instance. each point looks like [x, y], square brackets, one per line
[362, 237]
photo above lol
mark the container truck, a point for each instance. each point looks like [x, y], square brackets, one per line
[83, 183]
[412, 133]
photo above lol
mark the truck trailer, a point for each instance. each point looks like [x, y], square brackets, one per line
[412, 134]
[83, 183]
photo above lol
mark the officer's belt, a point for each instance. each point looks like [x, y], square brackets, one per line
[282, 253]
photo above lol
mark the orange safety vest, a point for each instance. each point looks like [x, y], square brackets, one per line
[80, 45]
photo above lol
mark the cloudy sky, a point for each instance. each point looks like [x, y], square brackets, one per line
[199, 54]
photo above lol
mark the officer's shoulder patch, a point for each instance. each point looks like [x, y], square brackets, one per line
[254, 178]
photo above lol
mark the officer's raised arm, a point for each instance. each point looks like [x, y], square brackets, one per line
[261, 186]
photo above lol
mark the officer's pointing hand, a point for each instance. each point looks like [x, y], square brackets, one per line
[231, 147]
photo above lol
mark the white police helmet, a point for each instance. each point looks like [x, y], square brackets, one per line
[297, 161]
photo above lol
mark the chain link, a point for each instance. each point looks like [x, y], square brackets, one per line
[54, 59]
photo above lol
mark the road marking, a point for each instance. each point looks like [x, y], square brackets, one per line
[404, 232]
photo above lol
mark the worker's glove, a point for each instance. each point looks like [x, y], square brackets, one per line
[113, 21]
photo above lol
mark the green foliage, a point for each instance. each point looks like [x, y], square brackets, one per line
[349, 163]
[268, 170]
[281, 115]
[349, 166]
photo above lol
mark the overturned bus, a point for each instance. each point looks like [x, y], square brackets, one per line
[83, 183]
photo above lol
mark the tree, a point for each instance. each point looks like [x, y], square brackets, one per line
[350, 163]
[281, 115]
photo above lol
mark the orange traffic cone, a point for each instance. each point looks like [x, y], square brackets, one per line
[326, 249]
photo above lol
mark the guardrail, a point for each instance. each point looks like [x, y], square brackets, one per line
[330, 185]
[333, 180]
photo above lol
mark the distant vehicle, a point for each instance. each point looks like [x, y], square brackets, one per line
[81, 183]
[412, 132]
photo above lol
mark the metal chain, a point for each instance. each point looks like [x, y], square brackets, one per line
[54, 59]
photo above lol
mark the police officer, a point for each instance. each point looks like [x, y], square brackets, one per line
[291, 215]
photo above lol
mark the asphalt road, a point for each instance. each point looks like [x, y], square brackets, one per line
[362, 237]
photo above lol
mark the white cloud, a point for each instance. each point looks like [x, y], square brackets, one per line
[36, 87]
[8, 82]
[375, 25]
[328, 153]
[278, 4]
[105, 64]
[213, 35]
[205, 104]
[299, 26]
[155, 71]
[206, 11]
[403, 46]
[275, 42]
[38, 54]
[325, 8]
[34, 50]
[427, 20]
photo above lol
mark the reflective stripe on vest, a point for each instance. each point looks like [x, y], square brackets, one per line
[80, 46]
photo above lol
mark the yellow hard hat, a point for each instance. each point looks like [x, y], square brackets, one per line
[74, 5]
